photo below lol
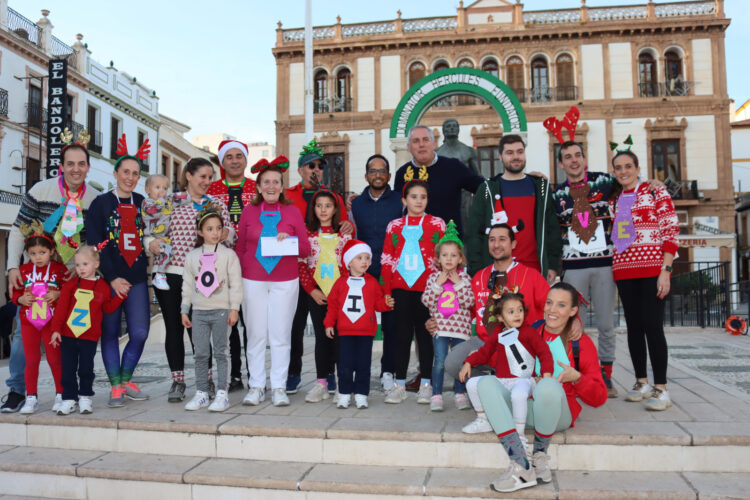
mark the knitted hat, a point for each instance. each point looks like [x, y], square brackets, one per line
[354, 248]
[311, 152]
[231, 144]
[451, 234]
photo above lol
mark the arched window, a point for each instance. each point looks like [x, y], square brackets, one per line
[321, 91]
[465, 63]
[343, 90]
[490, 66]
[647, 82]
[566, 90]
[540, 91]
[514, 76]
[445, 101]
[467, 100]
[416, 72]
[675, 82]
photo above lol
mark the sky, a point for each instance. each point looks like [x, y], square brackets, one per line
[211, 63]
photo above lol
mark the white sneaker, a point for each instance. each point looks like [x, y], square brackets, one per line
[361, 401]
[67, 407]
[200, 400]
[318, 393]
[160, 281]
[514, 478]
[396, 395]
[639, 392]
[30, 405]
[540, 462]
[254, 396]
[425, 394]
[387, 381]
[343, 401]
[279, 397]
[436, 402]
[479, 425]
[58, 402]
[221, 401]
[659, 400]
[85, 405]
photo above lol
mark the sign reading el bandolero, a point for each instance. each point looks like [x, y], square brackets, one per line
[467, 81]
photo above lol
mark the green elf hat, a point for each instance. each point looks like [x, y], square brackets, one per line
[451, 234]
[311, 152]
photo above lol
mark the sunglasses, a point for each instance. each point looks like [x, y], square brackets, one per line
[313, 166]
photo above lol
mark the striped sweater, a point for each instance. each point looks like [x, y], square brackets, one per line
[38, 204]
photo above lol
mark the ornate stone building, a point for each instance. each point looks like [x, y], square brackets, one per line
[656, 71]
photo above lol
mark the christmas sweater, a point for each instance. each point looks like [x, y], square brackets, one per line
[234, 197]
[31, 274]
[590, 387]
[307, 265]
[656, 228]
[433, 229]
[183, 233]
[372, 299]
[102, 302]
[228, 272]
[458, 324]
[601, 186]
[300, 196]
[531, 284]
[493, 353]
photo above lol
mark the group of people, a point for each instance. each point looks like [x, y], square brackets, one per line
[241, 264]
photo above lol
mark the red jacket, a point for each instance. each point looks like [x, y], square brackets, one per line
[492, 353]
[531, 284]
[56, 280]
[590, 388]
[295, 195]
[367, 324]
[103, 302]
[433, 229]
[219, 190]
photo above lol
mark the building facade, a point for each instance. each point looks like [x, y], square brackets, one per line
[654, 71]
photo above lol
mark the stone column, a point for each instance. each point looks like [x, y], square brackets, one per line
[4, 14]
[45, 32]
[81, 53]
[398, 146]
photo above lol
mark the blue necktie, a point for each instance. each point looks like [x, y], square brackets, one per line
[269, 220]
[410, 262]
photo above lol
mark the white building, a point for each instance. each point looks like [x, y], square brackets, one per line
[175, 150]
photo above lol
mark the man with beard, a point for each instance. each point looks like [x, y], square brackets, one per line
[235, 191]
[525, 204]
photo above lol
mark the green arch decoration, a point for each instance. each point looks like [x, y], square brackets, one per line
[457, 81]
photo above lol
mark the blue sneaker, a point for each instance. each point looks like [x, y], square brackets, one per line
[331, 380]
[292, 383]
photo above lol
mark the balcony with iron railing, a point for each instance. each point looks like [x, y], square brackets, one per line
[674, 87]
[3, 102]
[26, 29]
[332, 105]
[682, 190]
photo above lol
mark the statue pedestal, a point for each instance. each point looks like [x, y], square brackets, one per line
[398, 146]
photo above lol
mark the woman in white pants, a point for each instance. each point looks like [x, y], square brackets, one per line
[270, 282]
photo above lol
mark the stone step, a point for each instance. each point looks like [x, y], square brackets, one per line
[70, 473]
[422, 442]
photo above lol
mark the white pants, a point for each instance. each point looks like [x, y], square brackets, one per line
[520, 389]
[268, 307]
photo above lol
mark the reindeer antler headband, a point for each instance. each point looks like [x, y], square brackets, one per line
[569, 123]
[122, 151]
[34, 229]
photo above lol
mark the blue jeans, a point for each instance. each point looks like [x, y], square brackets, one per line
[17, 362]
[441, 345]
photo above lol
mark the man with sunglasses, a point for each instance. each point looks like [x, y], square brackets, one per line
[310, 167]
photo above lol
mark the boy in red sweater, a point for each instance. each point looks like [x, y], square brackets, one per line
[79, 317]
[351, 305]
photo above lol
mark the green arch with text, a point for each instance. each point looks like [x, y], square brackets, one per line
[458, 81]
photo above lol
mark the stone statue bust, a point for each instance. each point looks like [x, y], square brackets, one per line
[453, 148]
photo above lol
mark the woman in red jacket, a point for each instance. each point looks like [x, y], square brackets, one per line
[555, 406]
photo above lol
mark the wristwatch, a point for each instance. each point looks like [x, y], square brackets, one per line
[667, 268]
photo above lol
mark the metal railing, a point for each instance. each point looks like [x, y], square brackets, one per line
[547, 94]
[566, 93]
[36, 117]
[700, 297]
[3, 102]
[682, 190]
[673, 87]
[23, 26]
[332, 105]
[10, 197]
[541, 94]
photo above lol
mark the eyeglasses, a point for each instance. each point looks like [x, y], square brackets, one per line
[318, 165]
[377, 171]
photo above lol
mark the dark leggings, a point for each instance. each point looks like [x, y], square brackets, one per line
[326, 350]
[411, 315]
[138, 318]
[298, 332]
[644, 314]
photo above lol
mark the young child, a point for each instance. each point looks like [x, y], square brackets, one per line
[511, 353]
[77, 326]
[408, 259]
[317, 275]
[156, 210]
[42, 279]
[351, 309]
[448, 296]
[212, 285]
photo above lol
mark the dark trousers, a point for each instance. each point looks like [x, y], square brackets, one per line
[411, 316]
[644, 314]
[77, 375]
[326, 350]
[237, 350]
[388, 327]
[355, 360]
[298, 332]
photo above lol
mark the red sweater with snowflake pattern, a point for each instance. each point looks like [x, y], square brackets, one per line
[308, 264]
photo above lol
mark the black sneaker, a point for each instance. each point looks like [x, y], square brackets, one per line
[12, 402]
[236, 385]
[176, 392]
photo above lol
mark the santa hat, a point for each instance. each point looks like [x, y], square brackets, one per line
[231, 144]
[354, 248]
